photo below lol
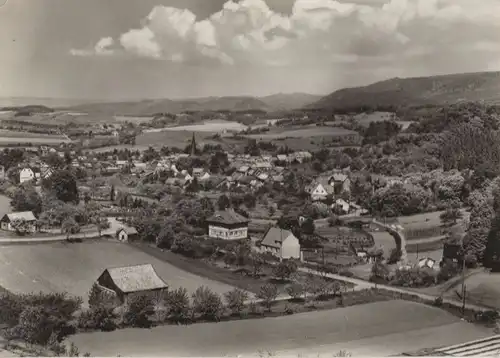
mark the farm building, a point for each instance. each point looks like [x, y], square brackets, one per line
[281, 243]
[227, 225]
[125, 234]
[132, 280]
[340, 182]
[27, 216]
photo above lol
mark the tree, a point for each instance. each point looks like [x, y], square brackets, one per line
[139, 311]
[450, 216]
[101, 223]
[379, 273]
[257, 261]
[95, 298]
[63, 184]
[268, 294]
[308, 226]
[296, 290]
[235, 300]
[165, 238]
[35, 326]
[223, 202]
[26, 199]
[179, 307]
[70, 227]
[207, 304]
[285, 269]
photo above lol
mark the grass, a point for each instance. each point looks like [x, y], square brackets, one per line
[373, 322]
[178, 139]
[58, 267]
[16, 134]
[303, 132]
[14, 137]
[210, 126]
[236, 277]
[482, 289]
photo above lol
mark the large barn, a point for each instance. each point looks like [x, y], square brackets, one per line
[227, 225]
[131, 280]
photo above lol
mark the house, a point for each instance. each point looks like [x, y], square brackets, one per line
[342, 206]
[26, 174]
[227, 225]
[205, 176]
[126, 233]
[129, 281]
[340, 182]
[281, 243]
[27, 216]
[320, 189]
[426, 262]
[197, 172]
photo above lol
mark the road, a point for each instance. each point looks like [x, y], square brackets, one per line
[91, 234]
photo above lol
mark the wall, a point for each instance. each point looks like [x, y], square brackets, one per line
[219, 232]
[290, 248]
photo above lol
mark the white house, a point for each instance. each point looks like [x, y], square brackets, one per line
[126, 233]
[320, 189]
[26, 174]
[281, 243]
[227, 225]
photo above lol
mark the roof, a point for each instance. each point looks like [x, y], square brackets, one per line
[128, 230]
[23, 215]
[136, 278]
[228, 217]
[274, 237]
[339, 177]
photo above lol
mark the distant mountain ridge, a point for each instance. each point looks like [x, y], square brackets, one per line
[277, 102]
[399, 92]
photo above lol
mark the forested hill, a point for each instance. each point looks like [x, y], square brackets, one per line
[401, 92]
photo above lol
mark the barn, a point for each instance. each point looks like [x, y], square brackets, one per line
[126, 233]
[132, 280]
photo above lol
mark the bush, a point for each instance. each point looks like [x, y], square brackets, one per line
[448, 270]
[99, 317]
[179, 306]
[487, 317]
[285, 269]
[414, 277]
[235, 300]
[438, 302]
[139, 311]
[207, 304]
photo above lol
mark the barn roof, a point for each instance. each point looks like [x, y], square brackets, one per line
[23, 215]
[136, 278]
[129, 230]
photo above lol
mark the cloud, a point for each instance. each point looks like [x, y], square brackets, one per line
[315, 32]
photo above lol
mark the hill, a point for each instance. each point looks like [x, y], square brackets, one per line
[402, 92]
[271, 103]
[289, 101]
[152, 106]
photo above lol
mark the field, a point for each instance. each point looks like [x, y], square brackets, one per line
[376, 329]
[482, 289]
[423, 225]
[210, 126]
[303, 132]
[178, 139]
[9, 137]
[74, 267]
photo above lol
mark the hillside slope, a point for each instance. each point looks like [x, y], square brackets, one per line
[149, 107]
[289, 101]
[400, 92]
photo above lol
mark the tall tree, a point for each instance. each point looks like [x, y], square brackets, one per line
[63, 184]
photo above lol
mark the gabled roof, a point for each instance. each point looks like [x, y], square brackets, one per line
[274, 237]
[136, 278]
[128, 230]
[23, 215]
[228, 217]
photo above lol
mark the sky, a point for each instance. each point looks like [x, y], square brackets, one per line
[138, 49]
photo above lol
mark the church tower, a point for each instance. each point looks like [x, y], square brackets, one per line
[193, 146]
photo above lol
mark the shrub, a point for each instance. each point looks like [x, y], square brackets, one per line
[438, 302]
[487, 317]
[207, 304]
[99, 317]
[179, 306]
[139, 311]
[448, 270]
[235, 300]
[415, 277]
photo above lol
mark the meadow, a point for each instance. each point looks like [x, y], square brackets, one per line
[362, 330]
[73, 267]
[213, 126]
[303, 132]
